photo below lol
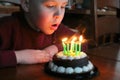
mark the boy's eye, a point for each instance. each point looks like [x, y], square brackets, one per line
[50, 6]
[63, 6]
[54, 5]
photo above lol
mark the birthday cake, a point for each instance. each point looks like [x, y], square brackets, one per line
[71, 60]
[70, 64]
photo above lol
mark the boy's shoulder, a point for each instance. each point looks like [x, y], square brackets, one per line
[6, 19]
[13, 19]
[63, 28]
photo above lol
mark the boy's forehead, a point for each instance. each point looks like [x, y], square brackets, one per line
[43, 1]
[46, 0]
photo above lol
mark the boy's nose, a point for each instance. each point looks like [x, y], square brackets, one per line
[58, 13]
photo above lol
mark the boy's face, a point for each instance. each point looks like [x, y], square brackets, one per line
[46, 14]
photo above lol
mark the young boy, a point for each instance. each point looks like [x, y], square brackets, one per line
[34, 35]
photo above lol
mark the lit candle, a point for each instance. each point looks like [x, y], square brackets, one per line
[80, 42]
[76, 48]
[64, 45]
[72, 44]
[68, 49]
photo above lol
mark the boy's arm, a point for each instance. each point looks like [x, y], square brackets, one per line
[7, 58]
[30, 56]
[52, 50]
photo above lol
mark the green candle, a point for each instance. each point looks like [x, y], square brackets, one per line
[79, 51]
[75, 48]
[64, 45]
[78, 48]
[80, 42]
[68, 49]
[72, 44]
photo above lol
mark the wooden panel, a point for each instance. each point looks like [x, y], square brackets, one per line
[112, 3]
[93, 8]
[8, 9]
[12, 1]
[108, 24]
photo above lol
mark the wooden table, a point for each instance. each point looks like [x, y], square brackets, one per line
[109, 69]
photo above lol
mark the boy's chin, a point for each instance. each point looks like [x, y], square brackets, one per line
[49, 33]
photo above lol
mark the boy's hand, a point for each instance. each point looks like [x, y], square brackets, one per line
[32, 56]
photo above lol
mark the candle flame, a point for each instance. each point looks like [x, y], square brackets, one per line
[81, 38]
[72, 46]
[65, 39]
[73, 40]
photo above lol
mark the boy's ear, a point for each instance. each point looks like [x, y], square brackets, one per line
[25, 5]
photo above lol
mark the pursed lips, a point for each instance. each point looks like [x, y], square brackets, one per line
[54, 26]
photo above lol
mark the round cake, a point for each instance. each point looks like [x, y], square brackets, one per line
[75, 64]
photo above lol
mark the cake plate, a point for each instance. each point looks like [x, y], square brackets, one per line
[82, 76]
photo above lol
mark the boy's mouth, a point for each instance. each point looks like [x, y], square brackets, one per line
[54, 27]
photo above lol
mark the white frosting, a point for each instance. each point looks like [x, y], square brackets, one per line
[77, 57]
[85, 68]
[62, 56]
[70, 70]
[51, 64]
[61, 69]
[54, 69]
[91, 72]
[70, 58]
[90, 65]
[83, 55]
[78, 70]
